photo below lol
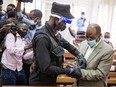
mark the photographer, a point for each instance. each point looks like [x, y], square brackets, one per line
[10, 15]
[12, 71]
[34, 21]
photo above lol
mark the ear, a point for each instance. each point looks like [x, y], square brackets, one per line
[56, 20]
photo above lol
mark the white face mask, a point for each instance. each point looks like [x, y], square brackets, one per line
[82, 16]
[107, 40]
[38, 26]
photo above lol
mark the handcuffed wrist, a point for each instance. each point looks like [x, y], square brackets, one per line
[71, 70]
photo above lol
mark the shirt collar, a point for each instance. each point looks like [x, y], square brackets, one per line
[50, 29]
[97, 43]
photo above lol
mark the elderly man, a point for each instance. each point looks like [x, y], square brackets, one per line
[99, 56]
[48, 49]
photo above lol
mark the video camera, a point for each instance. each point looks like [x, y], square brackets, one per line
[12, 26]
[27, 1]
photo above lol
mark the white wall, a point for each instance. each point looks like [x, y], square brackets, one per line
[6, 2]
[88, 4]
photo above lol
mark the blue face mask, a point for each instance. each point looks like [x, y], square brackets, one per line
[92, 43]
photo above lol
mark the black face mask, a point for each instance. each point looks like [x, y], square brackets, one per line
[22, 33]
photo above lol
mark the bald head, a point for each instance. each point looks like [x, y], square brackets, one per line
[94, 28]
[93, 31]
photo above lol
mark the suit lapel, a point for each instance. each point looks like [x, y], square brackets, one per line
[84, 48]
[95, 52]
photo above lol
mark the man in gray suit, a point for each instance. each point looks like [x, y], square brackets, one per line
[99, 56]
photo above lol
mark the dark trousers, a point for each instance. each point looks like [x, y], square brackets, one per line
[13, 77]
[26, 68]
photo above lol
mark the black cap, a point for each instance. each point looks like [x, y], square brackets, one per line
[61, 10]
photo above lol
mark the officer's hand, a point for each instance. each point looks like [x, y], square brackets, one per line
[75, 73]
[81, 62]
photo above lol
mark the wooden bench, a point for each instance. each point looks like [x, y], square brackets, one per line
[112, 75]
[65, 80]
[68, 55]
[112, 78]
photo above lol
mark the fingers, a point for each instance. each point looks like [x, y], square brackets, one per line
[10, 20]
[71, 65]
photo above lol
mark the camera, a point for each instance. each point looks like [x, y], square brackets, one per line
[12, 14]
[32, 27]
[1, 2]
[27, 1]
[13, 27]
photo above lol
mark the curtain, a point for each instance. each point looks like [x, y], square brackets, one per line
[105, 15]
[108, 6]
[106, 18]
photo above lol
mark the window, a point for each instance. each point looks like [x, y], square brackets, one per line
[113, 28]
[36, 4]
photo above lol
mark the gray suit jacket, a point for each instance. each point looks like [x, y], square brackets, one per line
[98, 65]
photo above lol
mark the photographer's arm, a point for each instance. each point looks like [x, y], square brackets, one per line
[18, 6]
[28, 46]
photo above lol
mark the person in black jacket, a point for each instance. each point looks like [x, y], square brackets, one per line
[48, 47]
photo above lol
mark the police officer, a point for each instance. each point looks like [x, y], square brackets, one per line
[48, 49]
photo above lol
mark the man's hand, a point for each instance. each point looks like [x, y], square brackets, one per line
[10, 20]
[71, 65]
[6, 28]
[73, 72]
[81, 62]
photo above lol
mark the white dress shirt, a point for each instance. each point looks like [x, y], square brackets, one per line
[90, 50]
